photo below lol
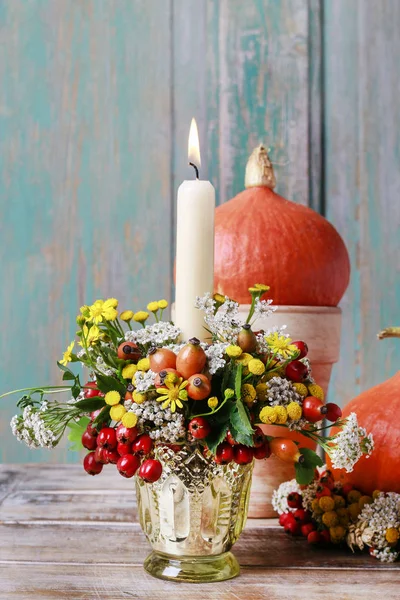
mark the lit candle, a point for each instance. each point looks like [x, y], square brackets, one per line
[194, 245]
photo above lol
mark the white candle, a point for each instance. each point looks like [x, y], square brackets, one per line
[194, 246]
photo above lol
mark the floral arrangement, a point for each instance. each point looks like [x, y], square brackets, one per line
[325, 511]
[148, 387]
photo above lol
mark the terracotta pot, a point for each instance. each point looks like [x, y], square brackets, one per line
[315, 325]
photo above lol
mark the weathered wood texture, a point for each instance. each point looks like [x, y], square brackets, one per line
[362, 180]
[51, 515]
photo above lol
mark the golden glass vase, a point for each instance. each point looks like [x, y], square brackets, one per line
[193, 515]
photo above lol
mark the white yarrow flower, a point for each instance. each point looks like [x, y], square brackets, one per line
[350, 444]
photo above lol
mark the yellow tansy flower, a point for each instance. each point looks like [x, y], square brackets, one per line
[262, 287]
[173, 395]
[326, 503]
[212, 402]
[143, 364]
[126, 315]
[294, 411]
[129, 419]
[301, 389]
[248, 393]
[256, 366]
[112, 398]
[233, 351]
[67, 355]
[219, 298]
[317, 391]
[337, 533]
[229, 393]
[261, 390]
[392, 535]
[281, 415]
[375, 494]
[330, 518]
[103, 310]
[245, 358]
[141, 316]
[138, 397]
[269, 375]
[117, 412]
[152, 306]
[343, 515]
[364, 500]
[162, 304]
[281, 345]
[129, 371]
[268, 415]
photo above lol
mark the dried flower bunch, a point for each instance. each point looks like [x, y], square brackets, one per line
[150, 387]
[325, 511]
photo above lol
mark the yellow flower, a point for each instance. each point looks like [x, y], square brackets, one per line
[281, 415]
[138, 397]
[281, 345]
[212, 402]
[326, 503]
[315, 507]
[270, 375]
[262, 390]
[392, 535]
[129, 371]
[245, 358]
[229, 393]
[353, 496]
[85, 311]
[364, 500]
[354, 511]
[300, 389]
[233, 351]
[340, 502]
[129, 419]
[317, 391]
[294, 411]
[67, 355]
[117, 412]
[248, 393]
[143, 364]
[262, 287]
[254, 290]
[172, 396]
[152, 306]
[268, 415]
[337, 533]
[103, 310]
[92, 334]
[344, 516]
[162, 304]
[256, 366]
[126, 315]
[375, 494]
[80, 320]
[141, 316]
[330, 518]
[112, 398]
[219, 298]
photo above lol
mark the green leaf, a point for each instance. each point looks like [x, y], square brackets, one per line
[238, 381]
[216, 437]
[76, 389]
[243, 414]
[68, 376]
[74, 357]
[241, 422]
[77, 429]
[312, 459]
[239, 436]
[90, 404]
[65, 369]
[105, 383]
[304, 475]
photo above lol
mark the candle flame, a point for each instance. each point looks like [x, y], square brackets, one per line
[194, 145]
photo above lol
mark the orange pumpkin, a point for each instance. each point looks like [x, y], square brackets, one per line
[262, 237]
[378, 410]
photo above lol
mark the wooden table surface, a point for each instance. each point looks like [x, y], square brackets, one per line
[64, 534]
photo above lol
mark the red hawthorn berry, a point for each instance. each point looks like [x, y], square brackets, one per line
[243, 455]
[88, 441]
[302, 347]
[323, 490]
[293, 527]
[100, 454]
[199, 427]
[112, 456]
[283, 518]
[107, 438]
[224, 454]
[347, 487]
[301, 515]
[314, 537]
[258, 437]
[91, 465]
[263, 451]
[294, 500]
[325, 536]
[296, 371]
[151, 470]
[230, 439]
[128, 464]
[306, 529]
[143, 445]
[334, 412]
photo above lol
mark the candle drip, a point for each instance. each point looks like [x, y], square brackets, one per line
[195, 168]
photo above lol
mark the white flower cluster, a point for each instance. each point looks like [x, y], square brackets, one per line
[144, 381]
[158, 334]
[279, 496]
[224, 324]
[281, 392]
[170, 427]
[350, 444]
[103, 368]
[263, 309]
[379, 516]
[31, 429]
[309, 493]
[215, 356]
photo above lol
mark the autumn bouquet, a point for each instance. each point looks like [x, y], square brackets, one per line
[148, 387]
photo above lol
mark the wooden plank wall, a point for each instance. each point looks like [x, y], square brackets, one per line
[95, 101]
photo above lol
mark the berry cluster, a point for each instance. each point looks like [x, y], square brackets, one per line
[123, 447]
[323, 511]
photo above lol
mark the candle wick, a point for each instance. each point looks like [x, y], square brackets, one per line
[195, 168]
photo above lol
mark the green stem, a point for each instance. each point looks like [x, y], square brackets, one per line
[252, 307]
[212, 412]
[50, 389]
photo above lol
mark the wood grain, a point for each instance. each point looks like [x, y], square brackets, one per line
[362, 154]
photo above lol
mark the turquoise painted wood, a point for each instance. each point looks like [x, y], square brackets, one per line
[362, 180]
[96, 98]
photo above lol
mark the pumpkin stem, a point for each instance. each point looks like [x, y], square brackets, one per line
[259, 170]
[389, 332]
